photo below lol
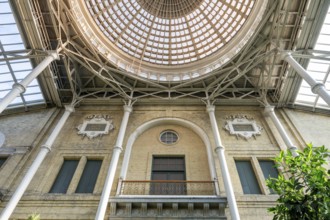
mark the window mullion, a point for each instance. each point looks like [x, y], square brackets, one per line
[76, 177]
[259, 175]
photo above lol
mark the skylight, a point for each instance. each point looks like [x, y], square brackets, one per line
[14, 70]
[318, 69]
[168, 40]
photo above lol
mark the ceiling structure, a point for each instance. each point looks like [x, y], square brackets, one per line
[14, 70]
[254, 71]
[168, 40]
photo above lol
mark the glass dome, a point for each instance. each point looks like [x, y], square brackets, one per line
[168, 40]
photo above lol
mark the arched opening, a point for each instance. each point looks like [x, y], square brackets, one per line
[151, 159]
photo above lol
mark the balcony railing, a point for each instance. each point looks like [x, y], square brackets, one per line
[167, 187]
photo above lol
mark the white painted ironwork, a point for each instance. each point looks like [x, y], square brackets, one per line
[269, 110]
[220, 150]
[113, 164]
[192, 39]
[316, 86]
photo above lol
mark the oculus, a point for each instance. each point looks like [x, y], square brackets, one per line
[168, 137]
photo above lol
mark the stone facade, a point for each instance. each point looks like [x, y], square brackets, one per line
[29, 131]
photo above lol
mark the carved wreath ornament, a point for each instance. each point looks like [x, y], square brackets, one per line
[242, 126]
[95, 126]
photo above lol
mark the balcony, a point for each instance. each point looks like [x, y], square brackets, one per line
[167, 187]
[167, 199]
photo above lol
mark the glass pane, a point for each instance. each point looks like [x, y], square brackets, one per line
[15, 70]
[171, 169]
[2, 161]
[268, 168]
[168, 164]
[64, 177]
[248, 179]
[243, 127]
[89, 176]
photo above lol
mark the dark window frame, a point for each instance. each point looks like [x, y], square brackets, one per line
[90, 178]
[168, 188]
[266, 171]
[64, 175]
[248, 177]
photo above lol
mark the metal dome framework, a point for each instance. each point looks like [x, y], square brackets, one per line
[168, 40]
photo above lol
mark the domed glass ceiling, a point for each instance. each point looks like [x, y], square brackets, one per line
[168, 40]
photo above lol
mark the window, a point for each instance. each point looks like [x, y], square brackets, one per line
[243, 127]
[269, 170]
[169, 137]
[2, 160]
[247, 177]
[64, 177]
[89, 176]
[168, 169]
[87, 180]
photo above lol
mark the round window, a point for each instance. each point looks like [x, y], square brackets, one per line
[169, 137]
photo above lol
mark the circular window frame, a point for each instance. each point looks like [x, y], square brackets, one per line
[165, 131]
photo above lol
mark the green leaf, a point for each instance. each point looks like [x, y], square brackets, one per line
[306, 192]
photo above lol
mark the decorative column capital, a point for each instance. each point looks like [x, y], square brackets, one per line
[269, 109]
[285, 55]
[54, 54]
[128, 108]
[210, 108]
[69, 108]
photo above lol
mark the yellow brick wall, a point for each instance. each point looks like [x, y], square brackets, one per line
[148, 145]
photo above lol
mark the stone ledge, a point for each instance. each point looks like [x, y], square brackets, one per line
[201, 207]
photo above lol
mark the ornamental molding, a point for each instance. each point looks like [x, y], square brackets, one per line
[243, 126]
[95, 125]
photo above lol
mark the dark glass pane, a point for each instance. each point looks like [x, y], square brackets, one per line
[89, 176]
[168, 168]
[168, 163]
[247, 177]
[269, 170]
[2, 160]
[64, 177]
[243, 127]
[158, 188]
[95, 127]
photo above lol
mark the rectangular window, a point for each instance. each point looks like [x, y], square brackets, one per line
[95, 127]
[168, 170]
[64, 177]
[247, 177]
[2, 160]
[243, 127]
[269, 170]
[89, 176]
